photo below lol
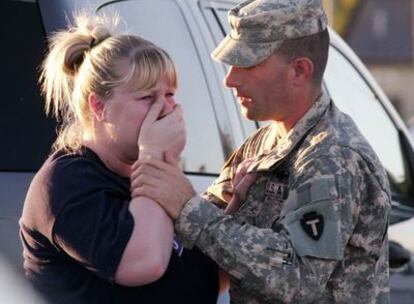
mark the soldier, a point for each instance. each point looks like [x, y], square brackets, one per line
[312, 227]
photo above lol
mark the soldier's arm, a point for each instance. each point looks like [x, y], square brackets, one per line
[281, 263]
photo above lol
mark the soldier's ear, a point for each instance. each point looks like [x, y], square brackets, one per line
[302, 71]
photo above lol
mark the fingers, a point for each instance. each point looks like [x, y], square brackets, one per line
[171, 159]
[152, 172]
[144, 169]
[244, 185]
[178, 109]
[145, 190]
[158, 135]
[241, 171]
[180, 114]
[240, 193]
[144, 179]
[153, 113]
[151, 162]
[153, 193]
[175, 116]
[233, 206]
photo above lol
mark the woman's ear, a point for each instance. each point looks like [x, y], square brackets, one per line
[97, 106]
[302, 71]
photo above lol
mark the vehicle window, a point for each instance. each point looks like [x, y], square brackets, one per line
[203, 152]
[353, 96]
[26, 134]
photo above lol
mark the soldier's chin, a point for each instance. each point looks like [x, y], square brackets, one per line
[248, 114]
[245, 101]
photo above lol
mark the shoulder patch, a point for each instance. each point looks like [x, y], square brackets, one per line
[313, 224]
[311, 218]
[314, 231]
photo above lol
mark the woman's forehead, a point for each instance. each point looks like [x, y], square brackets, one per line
[143, 77]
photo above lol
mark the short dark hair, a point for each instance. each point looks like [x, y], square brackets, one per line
[315, 47]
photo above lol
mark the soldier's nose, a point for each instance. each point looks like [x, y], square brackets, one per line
[232, 78]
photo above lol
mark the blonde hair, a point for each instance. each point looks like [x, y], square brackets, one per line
[88, 58]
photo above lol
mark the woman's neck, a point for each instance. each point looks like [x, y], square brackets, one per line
[110, 158]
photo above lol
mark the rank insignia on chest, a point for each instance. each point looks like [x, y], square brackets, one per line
[312, 223]
[277, 190]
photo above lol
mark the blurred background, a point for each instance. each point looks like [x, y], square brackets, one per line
[381, 33]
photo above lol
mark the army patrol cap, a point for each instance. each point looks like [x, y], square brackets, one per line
[259, 27]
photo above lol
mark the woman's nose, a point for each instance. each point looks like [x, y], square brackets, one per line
[169, 105]
[170, 101]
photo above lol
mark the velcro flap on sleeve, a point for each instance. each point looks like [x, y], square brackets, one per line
[312, 220]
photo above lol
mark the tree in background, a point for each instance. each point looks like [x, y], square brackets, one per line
[340, 13]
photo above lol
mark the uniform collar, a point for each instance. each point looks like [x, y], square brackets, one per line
[268, 161]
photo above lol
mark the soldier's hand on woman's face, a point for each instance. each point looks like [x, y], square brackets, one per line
[241, 184]
[163, 182]
[158, 135]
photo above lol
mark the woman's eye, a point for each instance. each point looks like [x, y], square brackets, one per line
[170, 94]
[146, 98]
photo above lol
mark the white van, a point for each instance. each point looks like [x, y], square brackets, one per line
[189, 30]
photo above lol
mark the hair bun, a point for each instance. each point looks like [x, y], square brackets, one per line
[84, 36]
[98, 34]
[76, 49]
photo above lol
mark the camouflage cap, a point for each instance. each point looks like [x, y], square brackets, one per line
[259, 27]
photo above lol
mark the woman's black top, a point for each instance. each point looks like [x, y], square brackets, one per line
[75, 227]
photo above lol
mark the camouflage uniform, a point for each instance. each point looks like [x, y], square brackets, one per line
[313, 228]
